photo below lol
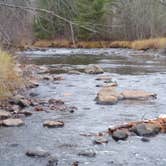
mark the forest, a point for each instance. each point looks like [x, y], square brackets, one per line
[82, 82]
[81, 20]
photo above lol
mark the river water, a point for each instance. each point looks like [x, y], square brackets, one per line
[131, 69]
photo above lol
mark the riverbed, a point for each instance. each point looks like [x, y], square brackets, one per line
[131, 70]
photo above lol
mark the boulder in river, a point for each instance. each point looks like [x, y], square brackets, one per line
[120, 135]
[4, 115]
[12, 122]
[74, 72]
[146, 129]
[53, 124]
[38, 152]
[94, 69]
[108, 95]
[137, 95]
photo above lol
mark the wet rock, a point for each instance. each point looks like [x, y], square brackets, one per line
[13, 122]
[33, 84]
[47, 77]
[26, 113]
[52, 161]
[20, 100]
[38, 152]
[100, 140]
[112, 84]
[94, 69]
[108, 95]
[75, 163]
[120, 135]
[38, 109]
[146, 129]
[4, 115]
[53, 124]
[145, 139]
[33, 94]
[59, 78]
[87, 153]
[74, 72]
[55, 101]
[137, 95]
[104, 78]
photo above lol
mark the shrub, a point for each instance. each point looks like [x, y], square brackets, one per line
[10, 80]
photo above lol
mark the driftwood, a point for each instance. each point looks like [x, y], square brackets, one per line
[161, 122]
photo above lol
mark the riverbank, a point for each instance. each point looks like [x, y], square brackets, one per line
[154, 43]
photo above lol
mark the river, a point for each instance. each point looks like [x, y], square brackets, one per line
[131, 69]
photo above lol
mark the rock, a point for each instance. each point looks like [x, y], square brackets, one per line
[120, 135]
[4, 115]
[137, 95]
[38, 152]
[55, 101]
[100, 140]
[52, 161]
[112, 84]
[13, 122]
[33, 94]
[20, 100]
[26, 113]
[145, 139]
[108, 95]
[94, 69]
[74, 72]
[104, 78]
[53, 124]
[33, 84]
[38, 109]
[87, 153]
[75, 163]
[47, 77]
[59, 78]
[146, 129]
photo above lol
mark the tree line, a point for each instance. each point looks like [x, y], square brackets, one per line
[27, 20]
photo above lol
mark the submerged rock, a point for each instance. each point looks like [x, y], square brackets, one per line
[38, 152]
[100, 140]
[38, 109]
[4, 115]
[94, 69]
[108, 95]
[104, 78]
[52, 161]
[145, 139]
[146, 129]
[120, 135]
[137, 95]
[53, 124]
[12, 122]
[74, 72]
[87, 153]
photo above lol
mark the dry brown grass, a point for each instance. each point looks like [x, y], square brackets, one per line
[156, 43]
[9, 78]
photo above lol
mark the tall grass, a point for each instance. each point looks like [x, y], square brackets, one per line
[9, 78]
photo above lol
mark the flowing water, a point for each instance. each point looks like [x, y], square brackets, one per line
[131, 69]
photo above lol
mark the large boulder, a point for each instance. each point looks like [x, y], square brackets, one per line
[108, 95]
[12, 122]
[4, 115]
[146, 129]
[137, 95]
[94, 69]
